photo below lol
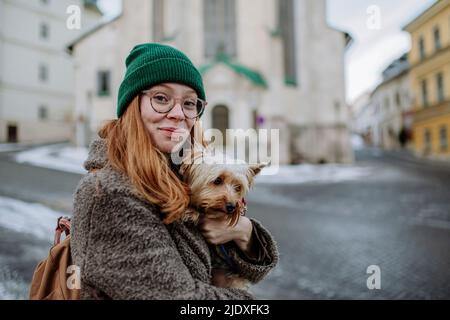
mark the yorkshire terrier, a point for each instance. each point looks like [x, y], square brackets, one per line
[218, 186]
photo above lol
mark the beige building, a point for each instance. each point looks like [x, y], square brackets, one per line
[430, 80]
[36, 73]
[272, 64]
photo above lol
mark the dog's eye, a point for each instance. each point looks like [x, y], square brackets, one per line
[218, 181]
[237, 188]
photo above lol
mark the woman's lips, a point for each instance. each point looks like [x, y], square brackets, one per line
[168, 131]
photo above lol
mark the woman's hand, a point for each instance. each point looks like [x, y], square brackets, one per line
[217, 231]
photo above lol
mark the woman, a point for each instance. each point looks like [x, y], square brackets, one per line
[127, 238]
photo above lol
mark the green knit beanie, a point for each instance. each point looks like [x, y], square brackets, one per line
[149, 64]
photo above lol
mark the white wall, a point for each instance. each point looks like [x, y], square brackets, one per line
[386, 118]
[321, 81]
[22, 51]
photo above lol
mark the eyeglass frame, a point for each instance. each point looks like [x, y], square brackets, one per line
[204, 103]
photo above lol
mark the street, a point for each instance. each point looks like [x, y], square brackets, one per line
[328, 233]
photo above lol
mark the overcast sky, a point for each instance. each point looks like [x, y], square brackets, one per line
[373, 49]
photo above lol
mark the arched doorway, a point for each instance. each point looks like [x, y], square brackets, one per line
[220, 120]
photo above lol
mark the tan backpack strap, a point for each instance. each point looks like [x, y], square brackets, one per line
[63, 224]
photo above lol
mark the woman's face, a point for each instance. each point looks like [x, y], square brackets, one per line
[166, 129]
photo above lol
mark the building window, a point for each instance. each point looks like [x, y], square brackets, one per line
[422, 48]
[220, 120]
[427, 140]
[424, 93]
[337, 107]
[386, 104]
[158, 20]
[43, 73]
[42, 113]
[437, 38]
[255, 119]
[12, 133]
[286, 21]
[443, 138]
[398, 100]
[219, 17]
[44, 30]
[440, 87]
[103, 83]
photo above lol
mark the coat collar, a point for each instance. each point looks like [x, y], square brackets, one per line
[97, 156]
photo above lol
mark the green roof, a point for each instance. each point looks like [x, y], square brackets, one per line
[93, 5]
[254, 76]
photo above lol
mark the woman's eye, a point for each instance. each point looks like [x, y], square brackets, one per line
[218, 181]
[190, 104]
[237, 188]
[161, 98]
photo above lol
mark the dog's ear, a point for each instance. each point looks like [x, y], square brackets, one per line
[255, 169]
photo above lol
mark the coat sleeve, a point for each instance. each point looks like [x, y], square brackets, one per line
[255, 270]
[126, 252]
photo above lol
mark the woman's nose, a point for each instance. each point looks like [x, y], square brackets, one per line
[176, 112]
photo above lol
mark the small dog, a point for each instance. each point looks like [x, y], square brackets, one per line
[218, 187]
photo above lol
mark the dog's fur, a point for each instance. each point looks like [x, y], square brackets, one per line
[215, 183]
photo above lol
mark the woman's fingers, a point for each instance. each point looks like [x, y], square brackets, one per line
[215, 231]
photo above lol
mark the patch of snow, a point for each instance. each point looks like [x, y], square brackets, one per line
[12, 286]
[357, 142]
[31, 218]
[304, 173]
[57, 157]
[7, 147]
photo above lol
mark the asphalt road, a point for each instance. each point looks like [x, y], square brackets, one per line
[397, 218]
[328, 233]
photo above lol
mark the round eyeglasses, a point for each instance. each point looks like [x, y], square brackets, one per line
[162, 103]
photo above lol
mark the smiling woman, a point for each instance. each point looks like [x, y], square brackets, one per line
[159, 108]
[128, 237]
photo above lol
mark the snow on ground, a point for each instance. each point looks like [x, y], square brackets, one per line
[12, 286]
[304, 173]
[25, 220]
[66, 158]
[357, 142]
[32, 218]
[8, 147]
[57, 157]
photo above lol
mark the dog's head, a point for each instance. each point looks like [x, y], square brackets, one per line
[218, 185]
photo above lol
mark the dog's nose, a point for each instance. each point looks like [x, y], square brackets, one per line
[230, 207]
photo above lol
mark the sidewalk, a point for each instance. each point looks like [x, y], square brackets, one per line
[19, 146]
[406, 155]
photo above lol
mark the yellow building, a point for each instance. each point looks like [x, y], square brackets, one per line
[430, 80]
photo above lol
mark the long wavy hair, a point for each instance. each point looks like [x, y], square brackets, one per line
[132, 152]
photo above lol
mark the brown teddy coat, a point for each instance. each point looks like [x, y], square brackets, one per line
[124, 251]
